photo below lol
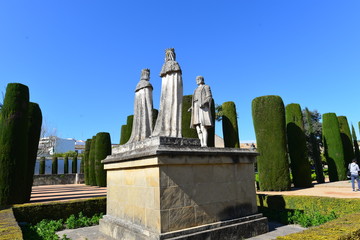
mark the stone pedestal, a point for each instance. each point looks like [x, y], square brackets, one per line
[170, 188]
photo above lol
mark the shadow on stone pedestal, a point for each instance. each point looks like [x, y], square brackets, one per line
[169, 188]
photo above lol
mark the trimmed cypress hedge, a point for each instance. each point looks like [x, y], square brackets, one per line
[123, 134]
[333, 147]
[346, 140]
[42, 166]
[129, 124]
[54, 165]
[86, 161]
[356, 145]
[102, 150]
[229, 125]
[268, 114]
[186, 131]
[211, 131]
[66, 164]
[74, 165]
[13, 136]
[155, 114]
[34, 130]
[300, 166]
[92, 175]
[315, 149]
[35, 212]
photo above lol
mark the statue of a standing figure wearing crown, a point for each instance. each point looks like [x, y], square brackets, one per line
[168, 122]
[143, 105]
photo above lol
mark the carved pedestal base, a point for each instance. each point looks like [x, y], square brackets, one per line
[175, 191]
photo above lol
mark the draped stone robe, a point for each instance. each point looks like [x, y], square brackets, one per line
[168, 122]
[143, 105]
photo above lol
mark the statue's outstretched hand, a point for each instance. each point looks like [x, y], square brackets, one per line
[189, 110]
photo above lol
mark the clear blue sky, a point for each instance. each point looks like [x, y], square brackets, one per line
[82, 59]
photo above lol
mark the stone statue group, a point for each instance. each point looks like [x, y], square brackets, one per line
[168, 122]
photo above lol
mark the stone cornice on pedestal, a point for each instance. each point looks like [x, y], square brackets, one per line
[160, 146]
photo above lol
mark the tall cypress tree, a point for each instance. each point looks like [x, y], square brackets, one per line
[34, 130]
[54, 165]
[346, 140]
[268, 114]
[333, 148]
[13, 136]
[74, 164]
[315, 149]
[66, 164]
[86, 161]
[211, 131]
[187, 132]
[123, 134]
[42, 166]
[229, 125]
[92, 176]
[356, 145]
[300, 166]
[102, 150]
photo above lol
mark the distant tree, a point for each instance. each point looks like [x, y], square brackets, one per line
[356, 145]
[211, 131]
[300, 166]
[313, 139]
[333, 149]
[268, 114]
[54, 165]
[346, 139]
[66, 164]
[186, 131]
[92, 175]
[42, 166]
[229, 125]
[87, 161]
[34, 129]
[74, 164]
[102, 150]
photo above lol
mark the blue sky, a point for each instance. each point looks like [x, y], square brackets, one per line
[82, 59]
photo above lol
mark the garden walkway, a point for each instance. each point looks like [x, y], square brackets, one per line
[48, 193]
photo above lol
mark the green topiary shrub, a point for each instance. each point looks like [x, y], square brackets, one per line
[34, 129]
[42, 165]
[155, 114]
[211, 131]
[35, 212]
[268, 114]
[74, 165]
[92, 175]
[300, 166]
[315, 149]
[54, 165]
[13, 136]
[229, 125]
[346, 140]
[186, 131]
[333, 148]
[356, 145]
[102, 150]
[66, 164]
[86, 161]
[9, 230]
[129, 124]
[123, 134]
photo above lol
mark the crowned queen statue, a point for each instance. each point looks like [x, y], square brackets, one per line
[168, 122]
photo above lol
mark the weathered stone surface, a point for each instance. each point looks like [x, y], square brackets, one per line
[168, 122]
[55, 179]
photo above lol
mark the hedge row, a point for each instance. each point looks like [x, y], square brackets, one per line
[35, 212]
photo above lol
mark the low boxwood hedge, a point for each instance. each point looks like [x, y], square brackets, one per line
[344, 228]
[35, 212]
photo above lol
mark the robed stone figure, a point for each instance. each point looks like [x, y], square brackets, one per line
[168, 122]
[143, 105]
[201, 110]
